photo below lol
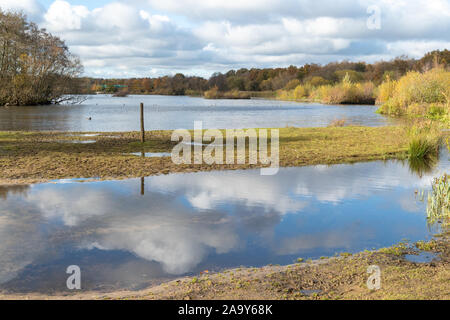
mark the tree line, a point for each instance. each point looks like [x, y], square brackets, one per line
[270, 79]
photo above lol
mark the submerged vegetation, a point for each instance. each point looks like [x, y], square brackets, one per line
[31, 157]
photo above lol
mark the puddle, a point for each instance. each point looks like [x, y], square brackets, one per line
[83, 135]
[76, 141]
[74, 180]
[310, 292]
[422, 257]
[152, 154]
[204, 144]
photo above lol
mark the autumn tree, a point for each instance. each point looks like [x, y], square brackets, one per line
[35, 66]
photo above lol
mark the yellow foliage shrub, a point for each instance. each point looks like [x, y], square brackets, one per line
[415, 92]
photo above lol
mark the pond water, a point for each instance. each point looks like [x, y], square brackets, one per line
[422, 257]
[109, 114]
[134, 233]
[152, 154]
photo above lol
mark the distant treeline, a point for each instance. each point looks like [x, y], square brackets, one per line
[245, 82]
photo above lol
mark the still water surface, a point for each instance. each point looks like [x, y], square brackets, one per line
[110, 114]
[126, 235]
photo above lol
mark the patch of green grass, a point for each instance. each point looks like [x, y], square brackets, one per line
[426, 246]
[345, 254]
[396, 250]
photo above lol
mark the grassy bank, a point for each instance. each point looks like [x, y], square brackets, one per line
[32, 157]
[339, 278]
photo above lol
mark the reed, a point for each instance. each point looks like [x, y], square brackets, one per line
[438, 210]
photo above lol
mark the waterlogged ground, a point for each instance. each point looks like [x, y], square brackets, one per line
[110, 114]
[134, 233]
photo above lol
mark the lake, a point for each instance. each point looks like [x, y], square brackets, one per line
[137, 232]
[110, 114]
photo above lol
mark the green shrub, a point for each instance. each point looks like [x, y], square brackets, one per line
[436, 111]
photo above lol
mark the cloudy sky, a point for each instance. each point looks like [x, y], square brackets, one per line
[197, 37]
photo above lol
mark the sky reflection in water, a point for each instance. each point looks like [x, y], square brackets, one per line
[186, 223]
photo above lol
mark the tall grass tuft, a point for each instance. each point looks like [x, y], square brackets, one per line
[421, 148]
[425, 140]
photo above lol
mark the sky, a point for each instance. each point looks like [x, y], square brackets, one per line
[150, 38]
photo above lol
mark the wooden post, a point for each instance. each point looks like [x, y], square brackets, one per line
[142, 186]
[142, 124]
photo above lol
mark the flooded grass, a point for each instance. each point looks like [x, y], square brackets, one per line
[34, 157]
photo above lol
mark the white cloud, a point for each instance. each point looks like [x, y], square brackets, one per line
[217, 35]
[30, 7]
[62, 16]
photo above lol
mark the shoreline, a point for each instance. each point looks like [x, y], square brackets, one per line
[342, 277]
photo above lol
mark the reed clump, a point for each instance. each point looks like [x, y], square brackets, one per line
[438, 209]
[424, 143]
